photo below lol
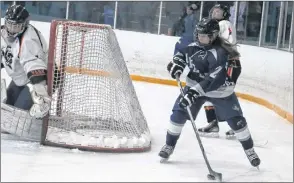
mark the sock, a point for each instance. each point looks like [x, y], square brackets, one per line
[210, 113]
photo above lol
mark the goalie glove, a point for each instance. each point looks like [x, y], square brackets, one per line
[189, 99]
[41, 100]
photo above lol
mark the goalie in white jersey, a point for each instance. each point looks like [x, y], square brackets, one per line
[221, 13]
[24, 56]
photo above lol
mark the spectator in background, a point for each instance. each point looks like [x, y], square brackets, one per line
[273, 22]
[209, 4]
[226, 3]
[185, 26]
[81, 11]
[123, 14]
[4, 6]
[145, 13]
[58, 9]
[173, 11]
[240, 18]
[108, 15]
[197, 3]
[253, 19]
[97, 11]
[44, 7]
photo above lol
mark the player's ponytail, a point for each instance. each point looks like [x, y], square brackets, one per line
[229, 47]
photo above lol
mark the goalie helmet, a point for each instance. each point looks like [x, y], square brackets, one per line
[208, 29]
[16, 20]
[225, 15]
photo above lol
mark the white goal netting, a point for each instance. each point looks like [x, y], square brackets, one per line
[94, 102]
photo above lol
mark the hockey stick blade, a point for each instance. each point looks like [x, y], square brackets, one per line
[215, 176]
[163, 160]
[212, 174]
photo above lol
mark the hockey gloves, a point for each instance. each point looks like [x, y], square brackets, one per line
[189, 98]
[41, 100]
[177, 66]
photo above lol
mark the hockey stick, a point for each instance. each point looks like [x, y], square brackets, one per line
[212, 174]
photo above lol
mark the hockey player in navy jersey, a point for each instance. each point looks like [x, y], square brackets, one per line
[207, 80]
[221, 13]
[24, 56]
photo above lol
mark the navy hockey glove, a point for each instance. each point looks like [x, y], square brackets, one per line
[189, 98]
[176, 67]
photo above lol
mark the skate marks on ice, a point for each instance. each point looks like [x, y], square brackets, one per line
[93, 166]
[231, 172]
[260, 143]
[251, 174]
[233, 169]
[186, 163]
[270, 132]
[183, 165]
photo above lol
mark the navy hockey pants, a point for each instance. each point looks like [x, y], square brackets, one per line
[19, 96]
[227, 109]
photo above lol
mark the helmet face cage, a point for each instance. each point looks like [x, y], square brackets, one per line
[13, 28]
[16, 20]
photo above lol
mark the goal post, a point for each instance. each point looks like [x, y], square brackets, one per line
[94, 104]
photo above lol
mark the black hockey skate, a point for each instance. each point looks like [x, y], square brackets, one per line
[211, 130]
[252, 157]
[230, 135]
[165, 153]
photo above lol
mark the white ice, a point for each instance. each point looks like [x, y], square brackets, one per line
[27, 161]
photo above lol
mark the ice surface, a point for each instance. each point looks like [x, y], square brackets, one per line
[28, 161]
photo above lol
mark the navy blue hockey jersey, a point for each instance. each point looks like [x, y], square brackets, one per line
[207, 70]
